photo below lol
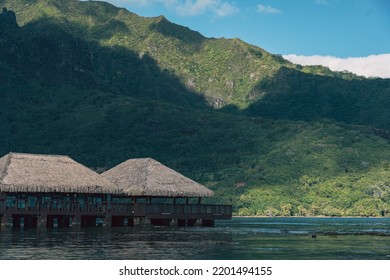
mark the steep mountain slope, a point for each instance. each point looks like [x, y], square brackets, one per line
[69, 85]
[294, 95]
[228, 73]
[222, 70]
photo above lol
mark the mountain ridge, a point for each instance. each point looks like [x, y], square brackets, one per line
[148, 42]
[228, 73]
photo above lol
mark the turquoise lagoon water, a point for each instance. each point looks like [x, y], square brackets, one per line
[239, 238]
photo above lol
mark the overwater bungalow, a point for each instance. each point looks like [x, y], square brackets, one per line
[164, 195]
[51, 190]
[56, 191]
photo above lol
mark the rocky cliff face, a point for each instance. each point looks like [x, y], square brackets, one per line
[56, 57]
[50, 55]
[45, 51]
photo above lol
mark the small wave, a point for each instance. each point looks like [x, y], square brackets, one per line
[368, 233]
[279, 223]
[298, 232]
[267, 249]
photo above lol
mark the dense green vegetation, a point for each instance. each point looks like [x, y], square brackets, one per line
[103, 85]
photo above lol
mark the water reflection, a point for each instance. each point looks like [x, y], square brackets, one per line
[241, 238]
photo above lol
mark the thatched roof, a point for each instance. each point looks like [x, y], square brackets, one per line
[148, 177]
[49, 173]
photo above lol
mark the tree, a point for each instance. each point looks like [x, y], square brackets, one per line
[302, 211]
[272, 212]
[307, 181]
[285, 209]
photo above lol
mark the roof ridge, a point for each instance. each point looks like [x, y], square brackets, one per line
[44, 157]
[143, 158]
[31, 154]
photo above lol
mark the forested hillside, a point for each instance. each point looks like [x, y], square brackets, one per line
[102, 85]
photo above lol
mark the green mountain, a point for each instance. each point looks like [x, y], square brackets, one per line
[103, 85]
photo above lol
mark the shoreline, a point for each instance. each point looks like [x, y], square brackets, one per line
[321, 217]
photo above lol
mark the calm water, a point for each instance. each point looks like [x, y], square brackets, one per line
[240, 238]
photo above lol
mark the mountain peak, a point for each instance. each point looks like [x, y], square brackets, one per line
[173, 30]
[8, 18]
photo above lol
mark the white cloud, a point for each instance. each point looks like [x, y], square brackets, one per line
[370, 66]
[227, 9]
[219, 8]
[135, 3]
[267, 9]
[198, 7]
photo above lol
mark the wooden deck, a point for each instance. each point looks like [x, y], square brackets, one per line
[164, 212]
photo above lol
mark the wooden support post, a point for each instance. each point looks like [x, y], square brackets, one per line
[107, 220]
[30, 221]
[42, 220]
[160, 222]
[137, 221]
[207, 223]
[76, 220]
[50, 221]
[63, 221]
[16, 221]
[130, 221]
[6, 220]
[191, 222]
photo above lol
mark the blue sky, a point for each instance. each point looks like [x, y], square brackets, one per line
[304, 28]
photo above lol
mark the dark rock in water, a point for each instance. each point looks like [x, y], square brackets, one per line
[314, 236]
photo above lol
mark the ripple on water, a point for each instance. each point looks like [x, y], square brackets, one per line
[256, 238]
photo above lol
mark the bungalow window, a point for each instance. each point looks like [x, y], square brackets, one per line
[32, 202]
[81, 201]
[45, 202]
[54, 204]
[10, 201]
[21, 204]
[141, 200]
